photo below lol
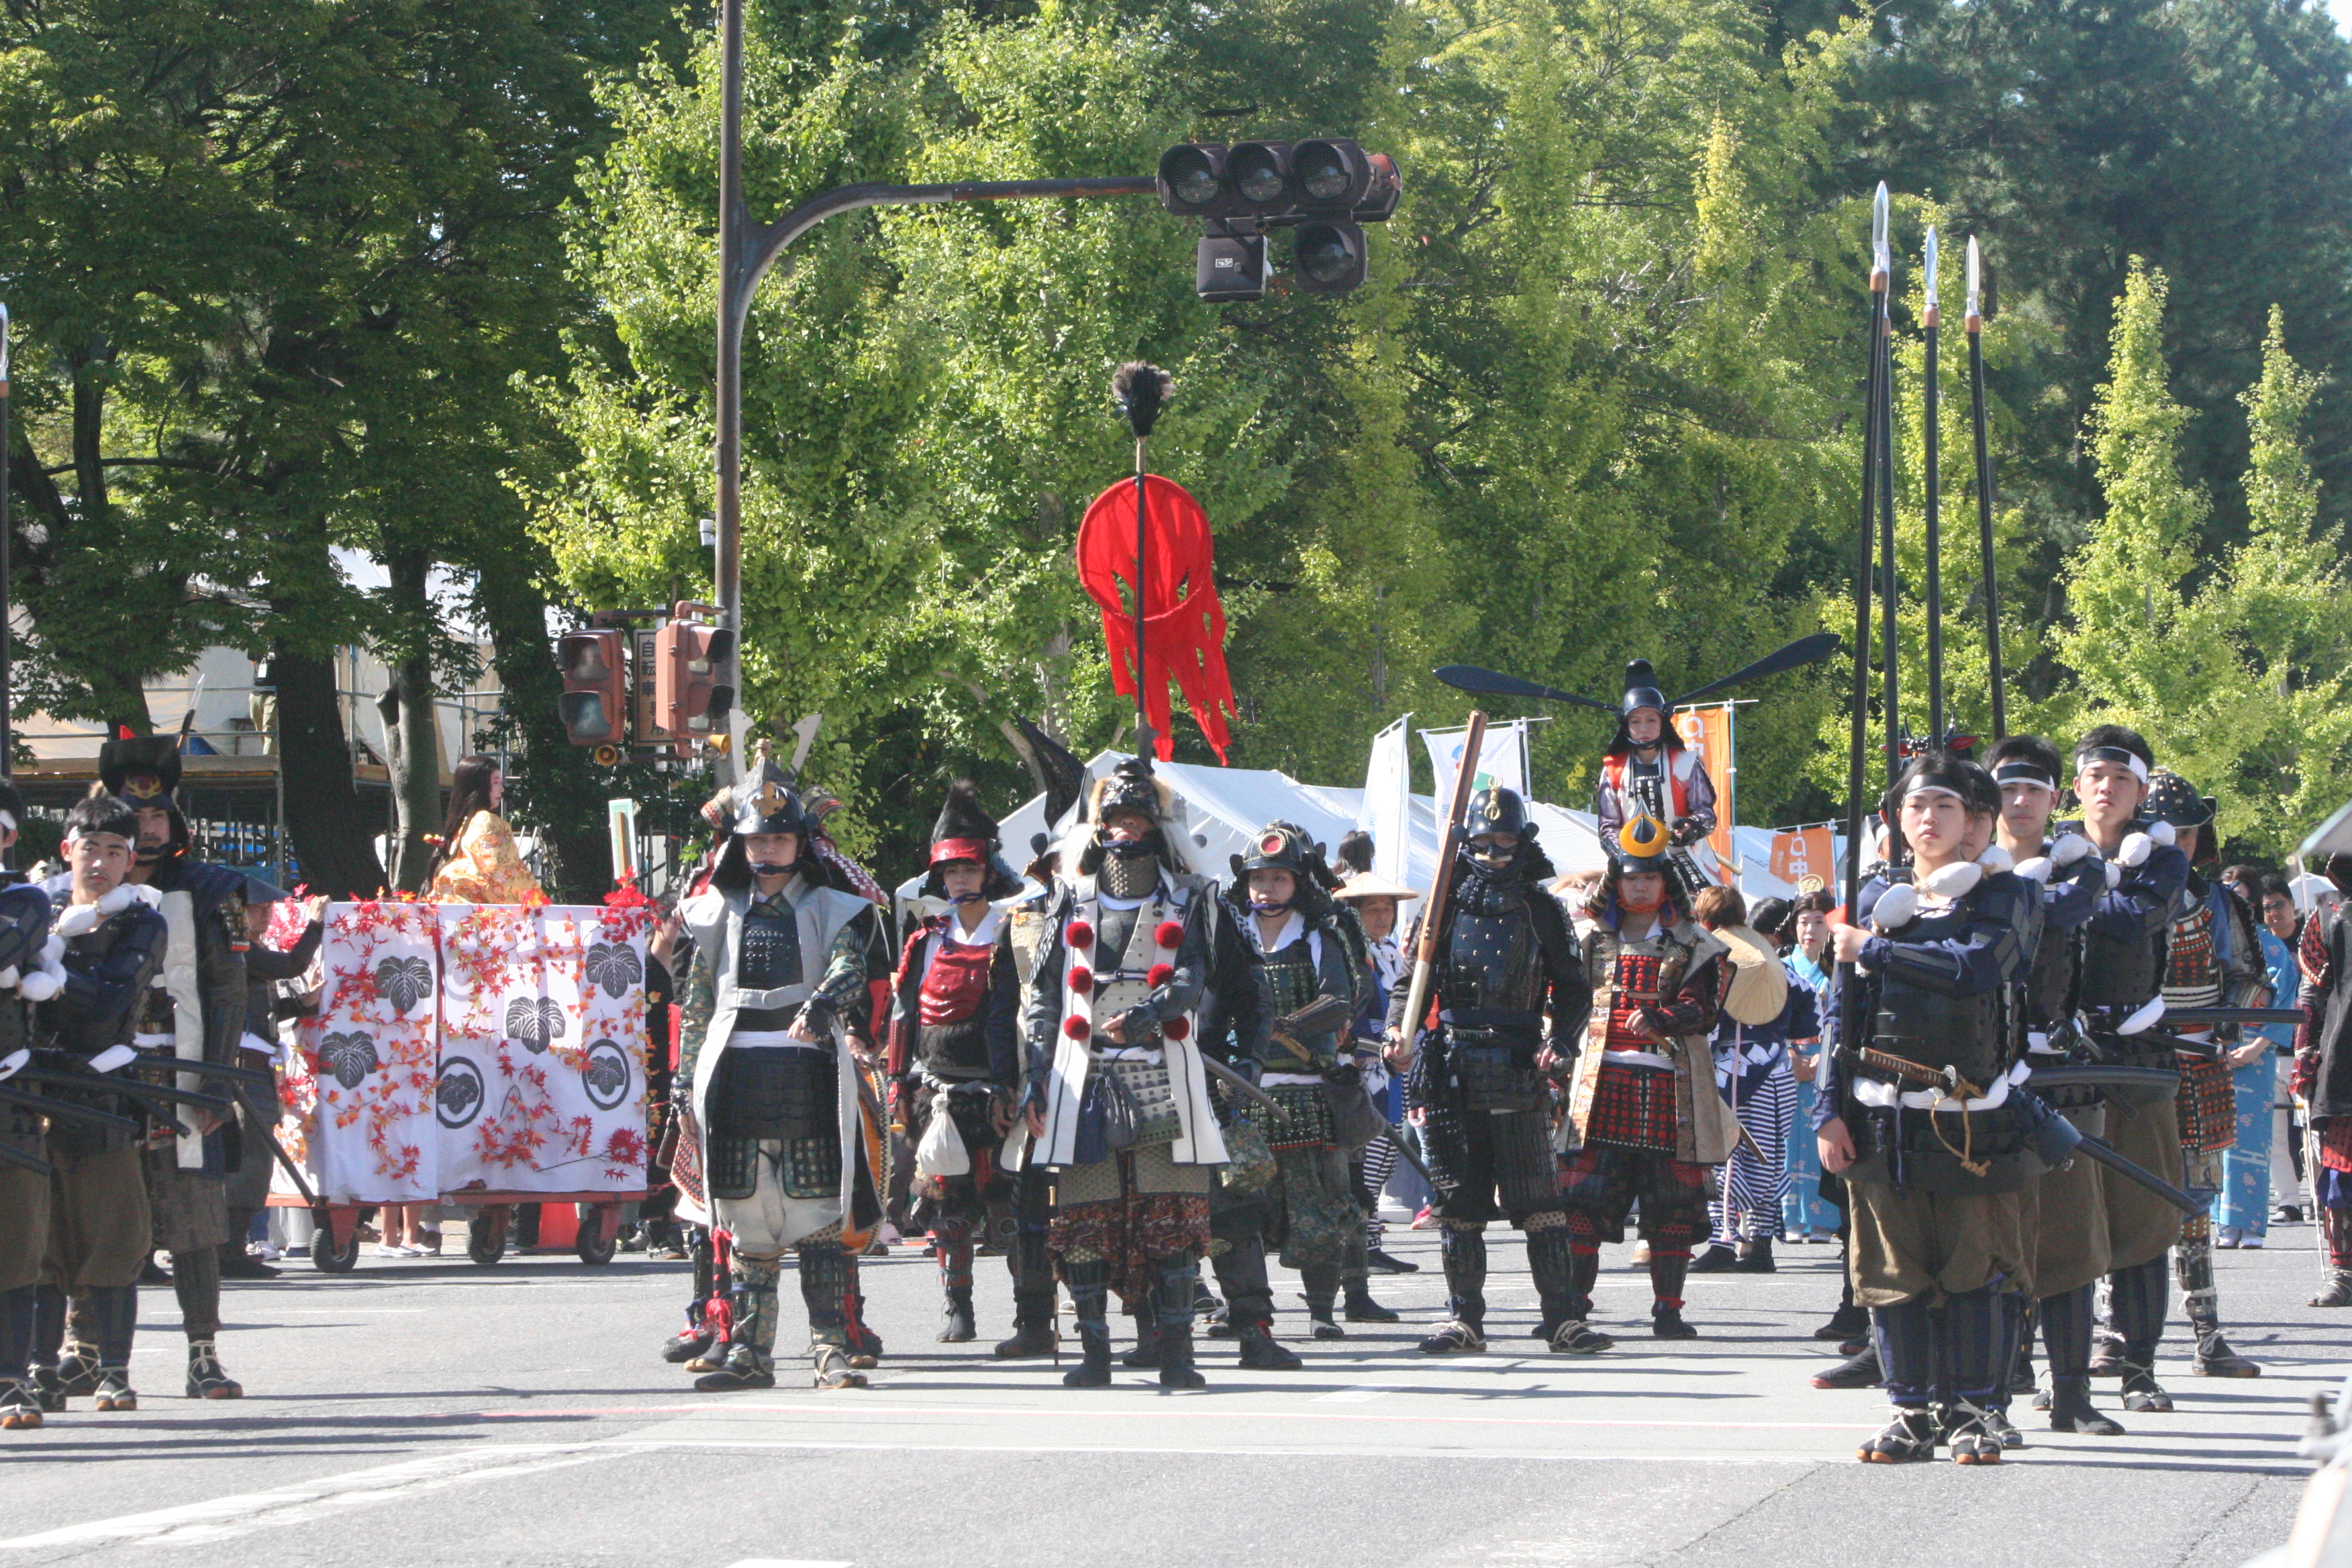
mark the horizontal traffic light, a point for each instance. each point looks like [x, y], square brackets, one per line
[1277, 180]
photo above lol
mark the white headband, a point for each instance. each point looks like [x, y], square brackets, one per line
[2112, 754]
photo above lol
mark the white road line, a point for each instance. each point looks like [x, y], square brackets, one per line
[785, 1563]
[1368, 1392]
[249, 1511]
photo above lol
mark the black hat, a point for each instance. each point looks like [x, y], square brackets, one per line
[144, 770]
[1496, 810]
[766, 802]
[1642, 691]
[1640, 845]
[965, 831]
[2173, 799]
[1276, 847]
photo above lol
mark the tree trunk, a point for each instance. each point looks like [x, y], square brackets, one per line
[408, 726]
[333, 847]
[551, 789]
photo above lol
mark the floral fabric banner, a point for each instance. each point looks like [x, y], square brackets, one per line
[543, 1046]
[472, 1047]
[359, 1090]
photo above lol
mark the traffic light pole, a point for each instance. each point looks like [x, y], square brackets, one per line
[747, 249]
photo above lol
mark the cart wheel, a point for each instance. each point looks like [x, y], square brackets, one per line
[596, 1238]
[486, 1239]
[326, 1257]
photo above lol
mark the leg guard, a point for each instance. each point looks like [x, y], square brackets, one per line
[753, 1330]
[1173, 1297]
[1552, 1261]
[2192, 1263]
[2335, 1228]
[1977, 1327]
[954, 1238]
[114, 1317]
[2137, 1297]
[1907, 1353]
[829, 1289]
[195, 1280]
[2066, 1336]
[1463, 1249]
[1089, 1283]
[1668, 1268]
[1322, 1290]
[1241, 1276]
[18, 1310]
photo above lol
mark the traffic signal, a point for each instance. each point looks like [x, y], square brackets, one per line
[1326, 188]
[1329, 257]
[595, 688]
[688, 699]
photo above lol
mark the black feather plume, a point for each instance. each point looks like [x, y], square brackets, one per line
[1142, 391]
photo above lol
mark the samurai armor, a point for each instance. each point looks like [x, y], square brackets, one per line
[1919, 1150]
[1249, 1168]
[733, 1168]
[1150, 1097]
[2207, 1104]
[775, 1093]
[1306, 1118]
[1633, 1108]
[1491, 1076]
[1598, 1186]
[811, 1167]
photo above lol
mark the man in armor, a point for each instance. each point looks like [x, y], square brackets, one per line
[1916, 1114]
[2213, 959]
[769, 1080]
[23, 1184]
[1302, 959]
[2067, 1227]
[195, 1011]
[1645, 1119]
[99, 1227]
[2321, 1076]
[955, 1050]
[1648, 771]
[1511, 998]
[1028, 929]
[2119, 986]
[1118, 1102]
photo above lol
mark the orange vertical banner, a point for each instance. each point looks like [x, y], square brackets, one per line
[1708, 730]
[1802, 852]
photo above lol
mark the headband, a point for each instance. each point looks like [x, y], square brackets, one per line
[2019, 771]
[1937, 781]
[2129, 759]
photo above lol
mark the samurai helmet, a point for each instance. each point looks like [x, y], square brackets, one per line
[1496, 810]
[767, 801]
[2173, 799]
[144, 771]
[1131, 786]
[1276, 847]
[1642, 691]
[966, 831]
[1642, 844]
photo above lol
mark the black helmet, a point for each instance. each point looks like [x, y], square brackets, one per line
[2173, 799]
[965, 831]
[1642, 691]
[1130, 787]
[1276, 847]
[766, 802]
[1496, 810]
[1641, 845]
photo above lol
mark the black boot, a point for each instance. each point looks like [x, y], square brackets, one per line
[1089, 1283]
[20, 1406]
[1911, 1437]
[1179, 1279]
[1033, 1327]
[1145, 1356]
[1759, 1259]
[1667, 1269]
[829, 1291]
[1718, 1258]
[2071, 1411]
[956, 1326]
[1261, 1352]
[1362, 1309]
[114, 1312]
[1322, 1284]
[749, 1359]
[1860, 1370]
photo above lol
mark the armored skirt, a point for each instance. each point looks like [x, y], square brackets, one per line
[2142, 1226]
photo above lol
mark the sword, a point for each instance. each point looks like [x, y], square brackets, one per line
[1239, 1084]
[66, 1110]
[2233, 1016]
[11, 1155]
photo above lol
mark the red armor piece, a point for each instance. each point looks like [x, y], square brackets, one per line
[1634, 987]
[956, 984]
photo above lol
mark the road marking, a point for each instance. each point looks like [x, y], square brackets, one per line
[249, 1511]
[785, 1563]
[1062, 1413]
[1368, 1392]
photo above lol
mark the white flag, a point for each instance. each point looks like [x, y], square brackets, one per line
[1387, 811]
[1502, 759]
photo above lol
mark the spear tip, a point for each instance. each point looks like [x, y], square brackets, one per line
[1931, 267]
[1976, 282]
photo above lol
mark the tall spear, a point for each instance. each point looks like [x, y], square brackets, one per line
[1930, 400]
[1858, 733]
[1974, 321]
[1140, 389]
[1889, 628]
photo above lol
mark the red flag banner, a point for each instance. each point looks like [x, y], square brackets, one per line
[1802, 852]
[1707, 732]
[1184, 626]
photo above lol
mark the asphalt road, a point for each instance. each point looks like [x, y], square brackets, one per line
[438, 1414]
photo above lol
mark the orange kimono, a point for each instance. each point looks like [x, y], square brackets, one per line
[485, 868]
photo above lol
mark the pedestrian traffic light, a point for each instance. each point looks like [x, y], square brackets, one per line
[1326, 187]
[689, 700]
[595, 687]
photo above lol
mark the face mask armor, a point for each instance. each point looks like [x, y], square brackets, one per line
[144, 771]
[1496, 810]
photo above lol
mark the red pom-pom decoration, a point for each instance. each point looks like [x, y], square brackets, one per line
[1159, 974]
[1177, 1028]
[1169, 934]
[1076, 1029]
[1082, 981]
[1081, 934]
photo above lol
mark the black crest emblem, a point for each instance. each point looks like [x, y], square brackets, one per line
[607, 1077]
[534, 1021]
[349, 1058]
[457, 1097]
[612, 965]
[403, 982]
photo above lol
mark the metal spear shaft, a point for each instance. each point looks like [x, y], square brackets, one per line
[1890, 629]
[1974, 322]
